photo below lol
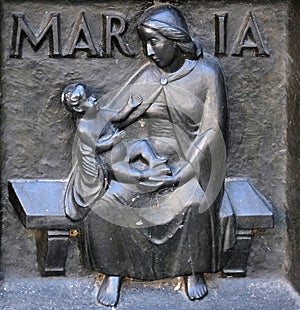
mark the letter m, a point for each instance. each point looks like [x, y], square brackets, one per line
[21, 30]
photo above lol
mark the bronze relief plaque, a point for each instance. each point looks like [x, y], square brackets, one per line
[144, 141]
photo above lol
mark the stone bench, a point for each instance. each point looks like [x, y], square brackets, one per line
[39, 204]
[251, 211]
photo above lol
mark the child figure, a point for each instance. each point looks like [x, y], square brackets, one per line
[97, 128]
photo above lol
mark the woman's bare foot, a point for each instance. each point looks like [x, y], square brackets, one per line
[195, 286]
[109, 291]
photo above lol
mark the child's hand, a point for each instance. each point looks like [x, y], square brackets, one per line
[106, 143]
[135, 100]
[118, 136]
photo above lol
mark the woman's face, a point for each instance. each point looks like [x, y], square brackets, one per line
[158, 48]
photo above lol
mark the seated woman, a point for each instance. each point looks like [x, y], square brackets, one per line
[145, 221]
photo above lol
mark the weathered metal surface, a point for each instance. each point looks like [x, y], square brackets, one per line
[263, 110]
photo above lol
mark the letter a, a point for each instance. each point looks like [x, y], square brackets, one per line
[249, 37]
[81, 38]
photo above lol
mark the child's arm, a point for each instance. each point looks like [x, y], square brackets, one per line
[133, 102]
[105, 143]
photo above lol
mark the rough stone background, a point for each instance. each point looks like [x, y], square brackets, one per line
[293, 112]
[37, 131]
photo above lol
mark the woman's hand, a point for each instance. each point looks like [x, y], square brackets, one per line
[147, 180]
[155, 178]
[168, 180]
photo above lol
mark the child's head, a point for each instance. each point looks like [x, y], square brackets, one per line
[76, 97]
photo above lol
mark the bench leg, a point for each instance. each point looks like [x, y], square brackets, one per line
[52, 248]
[237, 264]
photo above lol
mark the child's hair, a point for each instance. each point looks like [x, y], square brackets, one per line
[66, 96]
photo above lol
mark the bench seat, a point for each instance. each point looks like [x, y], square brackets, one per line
[39, 204]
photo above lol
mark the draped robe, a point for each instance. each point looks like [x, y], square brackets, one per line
[155, 234]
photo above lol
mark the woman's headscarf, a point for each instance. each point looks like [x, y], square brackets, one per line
[168, 21]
